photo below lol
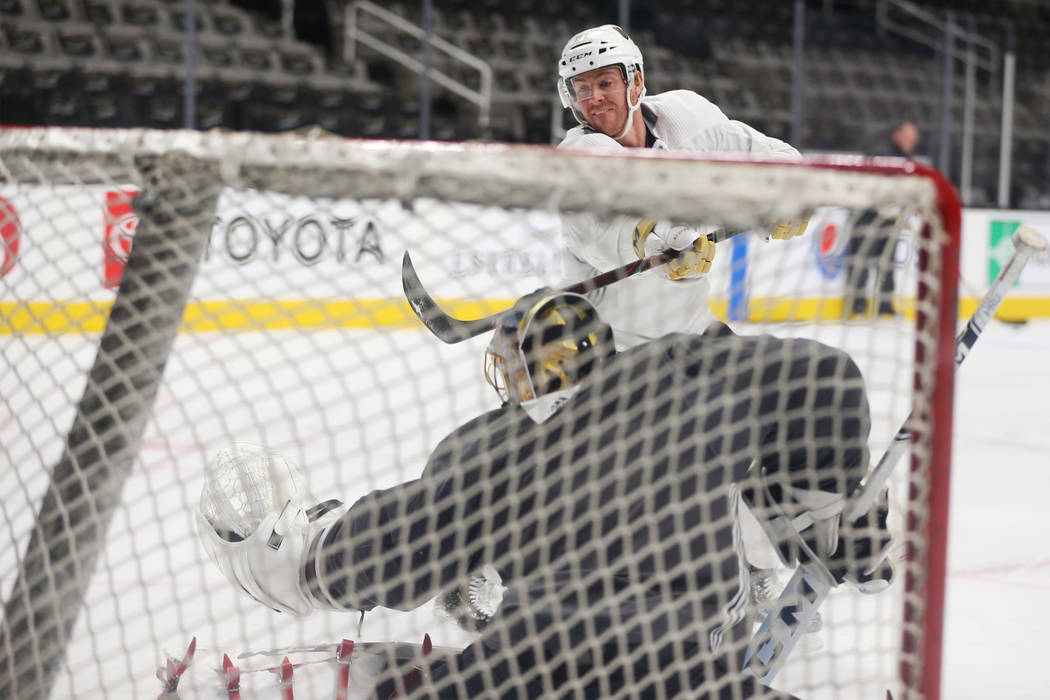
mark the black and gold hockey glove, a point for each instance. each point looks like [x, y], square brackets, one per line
[696, 251]
[789, 228]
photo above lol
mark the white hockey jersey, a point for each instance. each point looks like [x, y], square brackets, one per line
[650, 305]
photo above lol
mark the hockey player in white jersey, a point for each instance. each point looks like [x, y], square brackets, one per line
[602, 80]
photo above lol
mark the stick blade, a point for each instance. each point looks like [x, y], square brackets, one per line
[1026, 236]
[446, 328]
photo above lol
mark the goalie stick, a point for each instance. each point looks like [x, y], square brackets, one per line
[453, 330]
[799, 602]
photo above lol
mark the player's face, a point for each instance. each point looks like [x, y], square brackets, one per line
[601, 96]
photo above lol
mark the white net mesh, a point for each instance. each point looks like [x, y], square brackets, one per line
[261, 303]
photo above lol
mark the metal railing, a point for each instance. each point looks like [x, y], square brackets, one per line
[911, 28]
[481, 97]
[941, 33]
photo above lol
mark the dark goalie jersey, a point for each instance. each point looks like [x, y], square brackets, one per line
[612, 523]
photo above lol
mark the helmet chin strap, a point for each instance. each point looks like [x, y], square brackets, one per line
[631, 109]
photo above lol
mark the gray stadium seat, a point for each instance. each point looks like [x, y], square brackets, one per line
[54, 10]
[12, 8]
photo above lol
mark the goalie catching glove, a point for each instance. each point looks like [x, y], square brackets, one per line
[255, 524]
[696, 251]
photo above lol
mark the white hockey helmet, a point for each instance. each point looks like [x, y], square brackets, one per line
[591, 49]
[549, 341]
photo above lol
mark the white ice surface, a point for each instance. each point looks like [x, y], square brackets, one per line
[998, 607]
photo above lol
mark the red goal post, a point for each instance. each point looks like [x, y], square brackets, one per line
[261, 302]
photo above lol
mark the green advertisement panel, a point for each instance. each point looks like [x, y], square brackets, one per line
[999, 245]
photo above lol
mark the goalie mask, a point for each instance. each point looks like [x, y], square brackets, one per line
[593, 49]
[548, 342]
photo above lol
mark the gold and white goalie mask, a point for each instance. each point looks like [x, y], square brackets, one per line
[548, 342]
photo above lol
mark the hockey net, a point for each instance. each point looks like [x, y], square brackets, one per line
[261, 302]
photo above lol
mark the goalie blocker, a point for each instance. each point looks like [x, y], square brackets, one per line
[603, 492]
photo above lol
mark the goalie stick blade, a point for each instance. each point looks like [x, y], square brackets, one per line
[796, 608]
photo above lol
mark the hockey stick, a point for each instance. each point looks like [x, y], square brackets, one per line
[811, 583]
[454, 330]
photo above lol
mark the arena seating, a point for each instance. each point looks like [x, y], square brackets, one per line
[122, 63]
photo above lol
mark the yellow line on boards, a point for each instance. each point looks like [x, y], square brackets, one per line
[249, 315]
[240, 315]
[777, 310]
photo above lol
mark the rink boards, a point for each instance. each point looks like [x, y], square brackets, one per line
[321, 262]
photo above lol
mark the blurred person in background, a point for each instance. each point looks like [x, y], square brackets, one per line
[873, 240]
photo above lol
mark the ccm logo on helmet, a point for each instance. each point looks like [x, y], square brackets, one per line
[577, 57]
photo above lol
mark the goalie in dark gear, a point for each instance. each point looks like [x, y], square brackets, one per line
[548, 342]
[543, 348]
[603, 496]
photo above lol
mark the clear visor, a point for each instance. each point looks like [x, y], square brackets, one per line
[587, 86]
